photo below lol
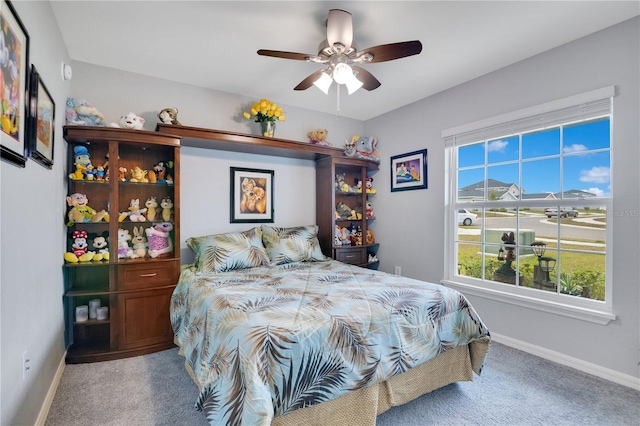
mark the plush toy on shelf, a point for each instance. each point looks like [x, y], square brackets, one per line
[79, 112]
[368, 213]
[129, 121]
[139, 243]
[124, 249]
[159, 239]
[79, 248]
[152, 208]
[139, 175]
[136, 214]
[343, 211]
[100, 245]
[80, 211]
[82, 162]
[169, 116]
[166, 204]
[350, 148]
[318, 137]
[369, 185]
[366, 148]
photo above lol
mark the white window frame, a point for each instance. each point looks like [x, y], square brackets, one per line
[582, 107]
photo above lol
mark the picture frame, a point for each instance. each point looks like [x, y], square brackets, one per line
[251, 195]
[42, 121]
[409, 171]
[14, 76]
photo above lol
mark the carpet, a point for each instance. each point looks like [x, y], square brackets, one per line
[515, 388]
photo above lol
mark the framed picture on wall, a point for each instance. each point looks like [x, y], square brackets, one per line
[251, 195]
[41, 121]
[14, 72]
[409, 171]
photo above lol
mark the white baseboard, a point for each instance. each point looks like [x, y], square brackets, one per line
[51, 393]
[586, 367]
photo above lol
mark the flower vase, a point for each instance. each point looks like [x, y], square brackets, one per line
[268, 128]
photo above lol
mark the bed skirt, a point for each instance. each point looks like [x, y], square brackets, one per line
[361, 407]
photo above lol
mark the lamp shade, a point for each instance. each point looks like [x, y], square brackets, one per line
[547, 263]
[323, 82]
[538, 248]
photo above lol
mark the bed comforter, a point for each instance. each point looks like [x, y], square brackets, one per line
[265, 341]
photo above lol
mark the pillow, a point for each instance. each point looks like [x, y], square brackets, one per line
[229, 251]
[286, 245]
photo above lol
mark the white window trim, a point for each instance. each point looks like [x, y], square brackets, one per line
[582, 309]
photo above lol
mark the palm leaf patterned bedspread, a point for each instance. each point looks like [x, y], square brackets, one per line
[265, 341]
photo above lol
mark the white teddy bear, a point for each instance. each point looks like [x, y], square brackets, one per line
[129, 121]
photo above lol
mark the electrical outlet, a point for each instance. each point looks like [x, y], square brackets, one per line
[26, 365]
[398, 270]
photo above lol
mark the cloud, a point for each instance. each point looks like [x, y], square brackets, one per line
[498, 146]
[595, 175]
[597, 191]
[576, 147]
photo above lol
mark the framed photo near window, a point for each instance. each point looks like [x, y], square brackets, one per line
[409, 171]
[41, 121]
[251, 195]
[14, 42]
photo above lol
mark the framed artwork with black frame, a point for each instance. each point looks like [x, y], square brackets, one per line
[251, 195]
[14, 78]
[409, 171]
[41, 121]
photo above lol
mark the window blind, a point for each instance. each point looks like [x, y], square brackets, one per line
[575, 108]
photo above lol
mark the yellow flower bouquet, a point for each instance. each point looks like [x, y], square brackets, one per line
[266, 113]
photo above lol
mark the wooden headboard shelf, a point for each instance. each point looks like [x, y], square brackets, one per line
[251, 144]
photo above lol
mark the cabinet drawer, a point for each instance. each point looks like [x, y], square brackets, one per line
[355, 256]
[148, 275]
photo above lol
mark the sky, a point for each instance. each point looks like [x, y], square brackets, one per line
[568, 158]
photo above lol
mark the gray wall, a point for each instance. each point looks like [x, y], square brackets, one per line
[33, 238]
[609, 57]
[32, 243]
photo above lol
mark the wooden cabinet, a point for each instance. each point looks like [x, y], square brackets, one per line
[135, 286]
[341, 205]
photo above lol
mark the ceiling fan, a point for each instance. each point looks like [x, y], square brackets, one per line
[342, 59]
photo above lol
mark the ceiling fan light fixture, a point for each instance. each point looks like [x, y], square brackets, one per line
[323, 82]
[342, 73]
[353, 84]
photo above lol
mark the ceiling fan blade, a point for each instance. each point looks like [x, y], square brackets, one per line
[340, 28]
[285, 55]
[308, 82]
[389, 52]
[369, 82]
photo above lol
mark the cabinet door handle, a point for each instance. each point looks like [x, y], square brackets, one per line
[153, 274]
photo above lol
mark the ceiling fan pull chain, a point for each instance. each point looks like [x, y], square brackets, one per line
[338, 97]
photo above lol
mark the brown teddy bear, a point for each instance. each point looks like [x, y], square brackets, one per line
[318, 137]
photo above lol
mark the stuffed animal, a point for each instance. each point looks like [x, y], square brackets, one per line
[341, 185]
[79, 248]
[136, 214]
[368, 213]
[124, 250]
[166, 204]
[139, 243]
[152, 205]
[169, 116]
[159, 239]
[162, 171]
[318, 137]
[82, 161]
[366, 148]
[79, 112]
[350, 148]
[129, 121]
[138, 175]
[369, 185]
[80, 211]
[343, 211]
[100, 245]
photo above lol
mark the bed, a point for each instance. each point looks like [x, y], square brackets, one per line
[273, 332]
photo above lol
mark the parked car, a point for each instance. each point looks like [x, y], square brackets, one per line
[465, 217]
[563, 212]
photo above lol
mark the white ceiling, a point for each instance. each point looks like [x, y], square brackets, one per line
[213, 44]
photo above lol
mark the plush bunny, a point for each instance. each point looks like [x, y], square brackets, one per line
[124, 250]
[139, 243]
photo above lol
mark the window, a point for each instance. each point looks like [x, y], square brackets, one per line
[536, 185]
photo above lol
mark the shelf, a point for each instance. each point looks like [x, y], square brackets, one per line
[73, 293]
